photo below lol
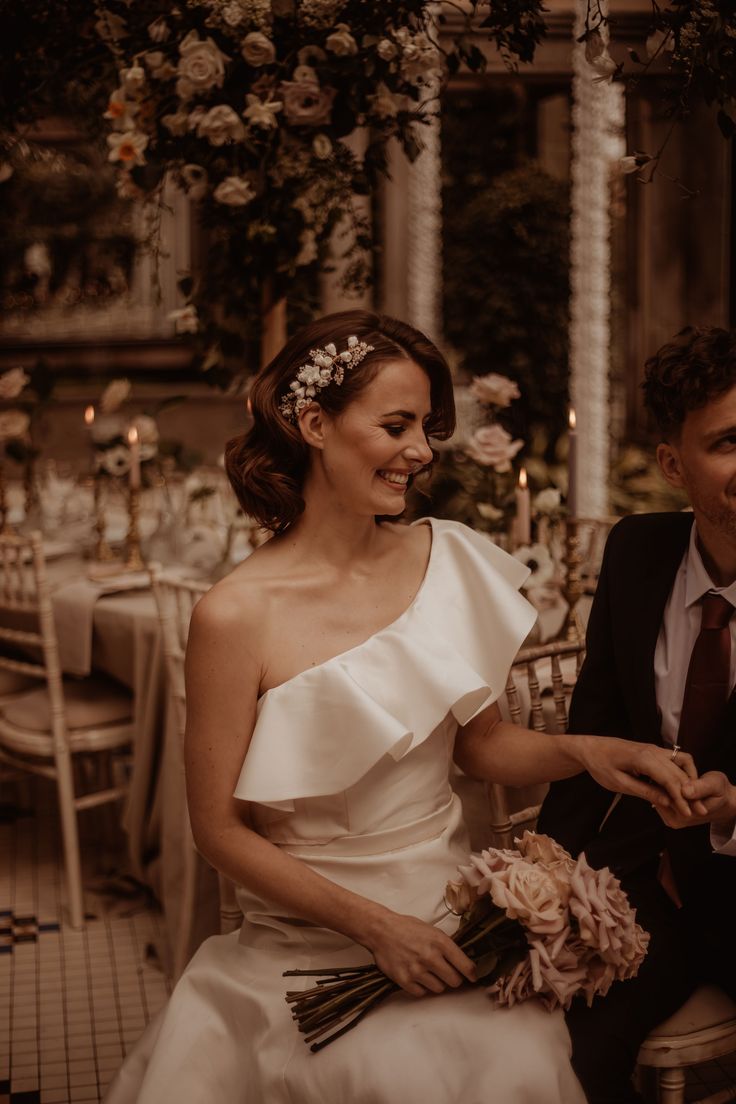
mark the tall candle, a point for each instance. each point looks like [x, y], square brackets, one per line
[572, 465]
[134, 477]
[523, 511]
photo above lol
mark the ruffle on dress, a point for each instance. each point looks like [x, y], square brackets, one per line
[321, 731]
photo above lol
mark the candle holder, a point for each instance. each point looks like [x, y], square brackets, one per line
[572, 584]
[133, 558]
[102, 551]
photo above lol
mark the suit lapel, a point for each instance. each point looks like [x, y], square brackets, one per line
[643, 594]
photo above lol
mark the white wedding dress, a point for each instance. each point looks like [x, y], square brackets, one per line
[348, 770]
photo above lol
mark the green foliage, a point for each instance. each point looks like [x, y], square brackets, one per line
[507, 288]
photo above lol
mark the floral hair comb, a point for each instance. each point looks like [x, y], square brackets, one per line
[325, 366]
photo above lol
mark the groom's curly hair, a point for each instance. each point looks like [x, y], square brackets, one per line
[698, 365]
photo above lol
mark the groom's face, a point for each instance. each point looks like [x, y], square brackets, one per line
[702, 460]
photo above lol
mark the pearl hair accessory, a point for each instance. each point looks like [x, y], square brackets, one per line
[325, 366]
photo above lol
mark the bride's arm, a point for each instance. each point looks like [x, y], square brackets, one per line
[495, 750]
[223, 677]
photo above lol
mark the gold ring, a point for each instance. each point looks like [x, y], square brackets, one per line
[675, 750]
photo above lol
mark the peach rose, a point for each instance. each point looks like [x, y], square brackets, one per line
[606, 920]
[492, 447]
[459, 897]
[306, 103]
[494, 389]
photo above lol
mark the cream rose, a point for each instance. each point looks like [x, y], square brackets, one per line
[341, 42]
[220, 125]
[322, 146]
[262, 114]
[114, 394]
[234, 191]
[12, 383]
[493, 447]
[386, 49]
[258, 50]
[306, 103]
[201, 66]
[459, 897]
[13, 424]
[494, 389]
[195, 180]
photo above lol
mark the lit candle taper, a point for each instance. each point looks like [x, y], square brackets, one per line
[135, 459]
[572, 464]
[89, 416]
[523, 511]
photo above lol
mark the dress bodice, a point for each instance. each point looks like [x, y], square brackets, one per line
[362, 743]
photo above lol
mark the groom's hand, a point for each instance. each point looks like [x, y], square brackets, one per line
[712, 800]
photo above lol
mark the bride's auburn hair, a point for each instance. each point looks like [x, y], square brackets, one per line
[267, 465]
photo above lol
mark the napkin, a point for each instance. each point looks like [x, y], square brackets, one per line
[74, 608]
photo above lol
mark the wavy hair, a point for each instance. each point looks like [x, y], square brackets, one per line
[698, 365]
[267, 465]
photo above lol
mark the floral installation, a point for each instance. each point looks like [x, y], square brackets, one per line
[246, 104]
[473, 480]
[536, 922]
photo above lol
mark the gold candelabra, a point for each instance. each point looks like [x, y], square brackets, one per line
[572, 583]
[133, 558]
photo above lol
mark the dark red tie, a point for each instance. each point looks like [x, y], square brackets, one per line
[708, 682]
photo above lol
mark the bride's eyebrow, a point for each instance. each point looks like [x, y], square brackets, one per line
[408, 414]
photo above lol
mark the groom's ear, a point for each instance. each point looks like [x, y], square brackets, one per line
[668, 458]
[312, 426]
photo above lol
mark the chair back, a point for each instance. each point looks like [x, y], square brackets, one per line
[533, 673]
[25, 600]
[175, 600]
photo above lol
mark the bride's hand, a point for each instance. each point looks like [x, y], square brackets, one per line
[417, 956]
[644, 770]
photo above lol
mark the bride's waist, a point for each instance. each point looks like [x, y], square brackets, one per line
[346, 845]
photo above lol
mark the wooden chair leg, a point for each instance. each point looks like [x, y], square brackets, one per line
[70, 838]
[671, 1086]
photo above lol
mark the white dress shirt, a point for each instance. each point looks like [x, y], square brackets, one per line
[680, 627]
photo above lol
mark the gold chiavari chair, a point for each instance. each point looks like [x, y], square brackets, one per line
[42, 730]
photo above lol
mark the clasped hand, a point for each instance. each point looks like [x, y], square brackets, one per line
[671, 786]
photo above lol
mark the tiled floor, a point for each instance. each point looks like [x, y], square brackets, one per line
[72, 1003]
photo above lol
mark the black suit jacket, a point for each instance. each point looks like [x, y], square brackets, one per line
[615, 696]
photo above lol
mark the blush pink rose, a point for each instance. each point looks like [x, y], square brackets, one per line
[492, 447]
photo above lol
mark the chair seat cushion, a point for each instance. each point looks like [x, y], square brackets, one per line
[91, 702]
[707, 1007]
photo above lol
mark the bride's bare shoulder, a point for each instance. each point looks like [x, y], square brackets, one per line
[243, 597]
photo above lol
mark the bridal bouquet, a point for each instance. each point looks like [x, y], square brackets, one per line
[536, 923]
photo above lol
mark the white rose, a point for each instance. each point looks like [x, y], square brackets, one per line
[116, 461]
[220, 125]
[341, 42]
[491, 446]
[258, 50]
[13, 423]
[234, 191]
[114, 395]
[386, 49]
[547, 501]
[185, 319]
[12, 383]
[195, 180]
[322, 146]
[106, 428]
[494, 389]
[201, 66]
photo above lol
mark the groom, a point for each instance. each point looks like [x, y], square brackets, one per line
[660, 667]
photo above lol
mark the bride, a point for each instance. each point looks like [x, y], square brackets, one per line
[331, 679]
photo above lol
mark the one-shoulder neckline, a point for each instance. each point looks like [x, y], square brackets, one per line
[379, 632]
